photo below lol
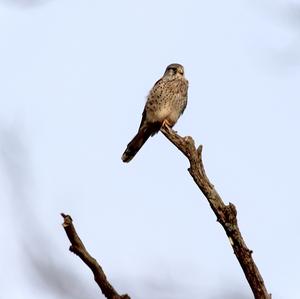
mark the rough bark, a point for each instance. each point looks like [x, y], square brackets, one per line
[79, 249]
[226, 214]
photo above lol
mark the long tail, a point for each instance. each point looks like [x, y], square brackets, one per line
[136, 143]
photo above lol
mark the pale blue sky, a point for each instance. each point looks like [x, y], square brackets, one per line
[74, 78]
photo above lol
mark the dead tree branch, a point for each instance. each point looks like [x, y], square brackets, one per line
[78, 248]
[226, 214]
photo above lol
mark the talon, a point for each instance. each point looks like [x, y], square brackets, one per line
[166, 123]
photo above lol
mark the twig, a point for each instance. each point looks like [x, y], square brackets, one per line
[226, 214]
[78, 248]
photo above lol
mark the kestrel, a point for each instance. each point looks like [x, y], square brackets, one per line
[165, 103]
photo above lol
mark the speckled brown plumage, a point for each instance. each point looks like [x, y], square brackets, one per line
[165, 103]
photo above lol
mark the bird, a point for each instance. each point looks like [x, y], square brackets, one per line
[165, 103]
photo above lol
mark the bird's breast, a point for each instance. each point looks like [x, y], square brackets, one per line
[166, 101]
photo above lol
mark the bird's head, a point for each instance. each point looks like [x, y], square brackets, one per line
[174, 70]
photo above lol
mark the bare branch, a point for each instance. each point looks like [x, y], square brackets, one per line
[226, 214]
[79, 249]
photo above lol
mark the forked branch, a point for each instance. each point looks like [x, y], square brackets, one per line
[226, 214]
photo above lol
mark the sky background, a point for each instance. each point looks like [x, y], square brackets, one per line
[74, 78]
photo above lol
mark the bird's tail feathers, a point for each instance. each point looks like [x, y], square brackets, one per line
[137, 142]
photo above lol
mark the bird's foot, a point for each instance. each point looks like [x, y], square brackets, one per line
[166, 124]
